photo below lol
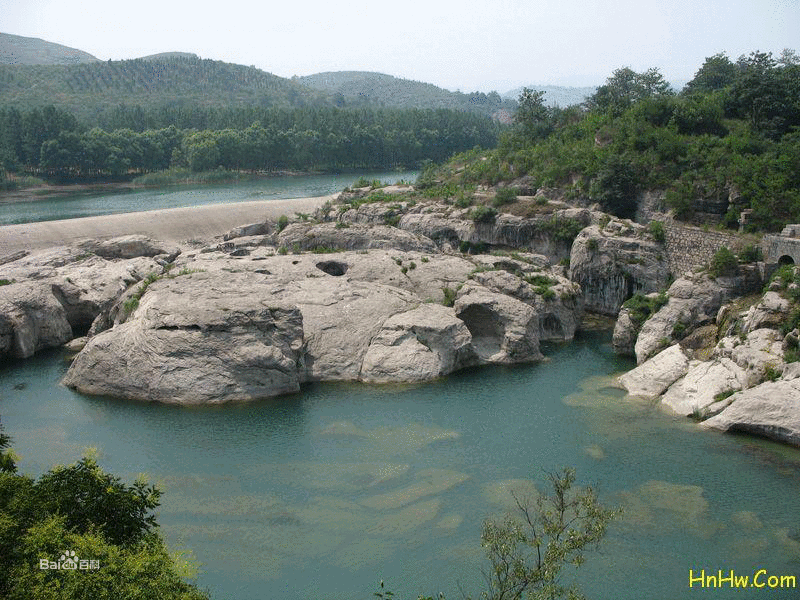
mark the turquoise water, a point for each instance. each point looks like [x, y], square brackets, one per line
[102, 203]
[326, 492]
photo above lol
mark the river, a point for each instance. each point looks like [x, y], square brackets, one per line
[326, 492]
[95, 203]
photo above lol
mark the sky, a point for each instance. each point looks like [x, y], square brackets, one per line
[464, 45]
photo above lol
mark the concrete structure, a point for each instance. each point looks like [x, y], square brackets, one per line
[784, 248]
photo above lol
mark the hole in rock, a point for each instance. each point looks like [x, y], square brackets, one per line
[333, 267]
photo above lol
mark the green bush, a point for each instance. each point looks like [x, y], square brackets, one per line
[283, 221]
[483, 214]
[656, 229]
[723, 264]
[751, 253]
[641, 307]
[95, 515]
[505, 195]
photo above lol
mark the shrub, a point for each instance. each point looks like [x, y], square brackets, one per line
[483, 214]
[283, 221]
[751, 253]
[592, 245]
[723, 263]
[505, 195]
[449, 296]
[656, 229]
[641, 307]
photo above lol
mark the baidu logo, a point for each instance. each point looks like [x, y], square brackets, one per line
[69, 562]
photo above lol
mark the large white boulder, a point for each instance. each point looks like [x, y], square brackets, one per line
[771, 410]
[653, 377]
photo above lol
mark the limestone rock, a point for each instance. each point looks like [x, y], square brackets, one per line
[559, 312]
[761, 351]
[694, 300]
[131, 246]
[613, 263]
[704, 380]
[626, 330]
[504, 329]
[31, 319]
[313, 236]
[771, 311]
[653, 377]
[195, 340]
[771, 410]
[417, 345]
[253, 229]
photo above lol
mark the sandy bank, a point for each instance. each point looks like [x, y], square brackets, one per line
[171, 224]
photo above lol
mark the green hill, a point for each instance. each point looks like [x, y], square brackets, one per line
[88, 90]
[18, 50]
[379, 89]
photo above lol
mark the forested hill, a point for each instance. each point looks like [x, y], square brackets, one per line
[19, 50]
[379, 89]
[88, 90]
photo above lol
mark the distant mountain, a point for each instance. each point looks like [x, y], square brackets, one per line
[18, 50]
[556, 95]
[379, 89]
[167, 55]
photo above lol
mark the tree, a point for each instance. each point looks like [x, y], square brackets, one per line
[625, 87]
[528, 556]
[717, 73]
[532, 116]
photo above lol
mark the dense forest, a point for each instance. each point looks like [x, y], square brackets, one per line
[729, 141]
[51, 143]
[120, 119]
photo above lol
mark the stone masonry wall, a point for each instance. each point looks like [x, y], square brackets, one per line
[691, 246]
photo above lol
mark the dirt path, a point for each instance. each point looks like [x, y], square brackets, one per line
[169, 224]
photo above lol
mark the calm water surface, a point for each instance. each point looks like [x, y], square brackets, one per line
[324, 493]
[102, 203]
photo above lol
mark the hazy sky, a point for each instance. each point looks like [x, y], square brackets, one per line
[457, 44]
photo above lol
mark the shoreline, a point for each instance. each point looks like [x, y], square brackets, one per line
[167, 224]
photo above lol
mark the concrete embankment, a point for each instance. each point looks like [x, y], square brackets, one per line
[170, 224]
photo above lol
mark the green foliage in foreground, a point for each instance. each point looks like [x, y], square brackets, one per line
[81, 509]
[528, 551]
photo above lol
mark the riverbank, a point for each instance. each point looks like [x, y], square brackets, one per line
[172, 224]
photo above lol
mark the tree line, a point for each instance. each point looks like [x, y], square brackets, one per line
[51, 142]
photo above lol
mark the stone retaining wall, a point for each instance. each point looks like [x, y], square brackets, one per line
[691, 246]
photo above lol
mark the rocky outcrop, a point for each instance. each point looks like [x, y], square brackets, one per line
[55, 295]
[652, 378]
[195, 340]
[503, 329]
[771, 410]
[614, 262]
[327, 236]
[369, 315]
[417, 345]
[694, 300]
[702, 383]
[451, 227]
[742, 382]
